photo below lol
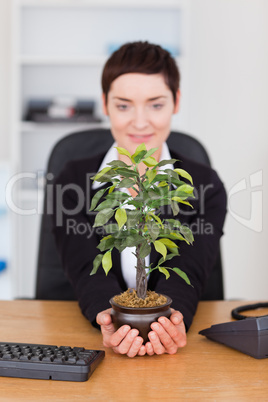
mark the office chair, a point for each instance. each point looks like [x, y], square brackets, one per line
[52, 283]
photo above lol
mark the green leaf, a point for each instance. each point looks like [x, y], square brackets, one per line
[139, 157]
[153, 230]
[155, 193]
[150, 152]
[133, 218]
[133, 240]
[117, 195]
[164, 271]
[175, 208]
[174, 251]
[121, 217]
[107, 204]
[103, 216]
[168, 257]
[139, 153]
[140, 148]
[182, 275]
[124, 172]
[118, 163]
[150, 161]
[155, 204]
[179, 236]
[160, 248]
[158, 220]
[111, 189]
[120, 245]
[184, 174]
[168, 243]
[145, 250]
[96, 198]
[176, 182]
[109, 176]
[186, 188]
[111, 228]
[167, 162]
[96, 263]
[106, 243]
[178, 199]
[187, 233]
[126, 183]
[162, 177]
[174, 222]
[107, 261]
[162, 184]
[123, 151]
[101, 173]
[151, 174]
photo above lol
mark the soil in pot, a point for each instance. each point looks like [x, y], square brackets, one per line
[139, 313]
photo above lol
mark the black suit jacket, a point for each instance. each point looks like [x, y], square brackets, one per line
[77, 241]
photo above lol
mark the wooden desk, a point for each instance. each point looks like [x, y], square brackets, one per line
[202, 371]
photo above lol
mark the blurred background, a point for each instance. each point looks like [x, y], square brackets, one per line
[51, 56]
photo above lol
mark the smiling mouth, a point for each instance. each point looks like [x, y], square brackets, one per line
[141, 137]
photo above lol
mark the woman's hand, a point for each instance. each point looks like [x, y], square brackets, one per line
[124, 341]
[167, 335]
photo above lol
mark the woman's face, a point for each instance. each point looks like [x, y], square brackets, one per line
[140, 107]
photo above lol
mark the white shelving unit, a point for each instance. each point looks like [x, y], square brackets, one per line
[59, 49]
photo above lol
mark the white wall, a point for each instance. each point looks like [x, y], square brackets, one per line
[4, 78]
[228, 101]
[229, 66]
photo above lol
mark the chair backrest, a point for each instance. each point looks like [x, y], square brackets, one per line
[52, 283]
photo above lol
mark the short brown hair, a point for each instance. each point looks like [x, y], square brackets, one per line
[144, 58]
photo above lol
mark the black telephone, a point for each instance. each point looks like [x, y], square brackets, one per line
[248, 335]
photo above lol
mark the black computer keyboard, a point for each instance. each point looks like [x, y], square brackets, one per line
[48, 362]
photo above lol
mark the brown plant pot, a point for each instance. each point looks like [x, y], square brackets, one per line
[139, 317]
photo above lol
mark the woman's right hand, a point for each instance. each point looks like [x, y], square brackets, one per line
[123, 341]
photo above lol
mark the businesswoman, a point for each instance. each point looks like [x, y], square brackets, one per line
[140, 84]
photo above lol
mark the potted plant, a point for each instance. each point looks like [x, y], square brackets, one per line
[137, 224]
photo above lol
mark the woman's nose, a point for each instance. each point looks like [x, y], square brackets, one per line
[140, 119]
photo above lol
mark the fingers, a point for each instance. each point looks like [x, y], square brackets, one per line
[104, 317]
[121, 344]
[154, 337]
[174, 327]
[168, 335]
[177, 320]
[124, 341]
[149, 348]
[131, 344]
[114, 339]
[136, 348]
[142, 350]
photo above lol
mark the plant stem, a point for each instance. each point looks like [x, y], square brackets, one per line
[141, 277]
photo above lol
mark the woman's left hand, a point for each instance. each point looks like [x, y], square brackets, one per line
[167, 335]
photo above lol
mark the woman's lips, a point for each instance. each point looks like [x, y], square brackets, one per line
[139, 138]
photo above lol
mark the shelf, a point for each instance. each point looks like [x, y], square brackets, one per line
[31, 127]
[69, 61]
[58, 61]
[64, 61]
[104, 3]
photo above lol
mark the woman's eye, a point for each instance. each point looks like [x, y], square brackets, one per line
[122, 107]
[157, 106]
